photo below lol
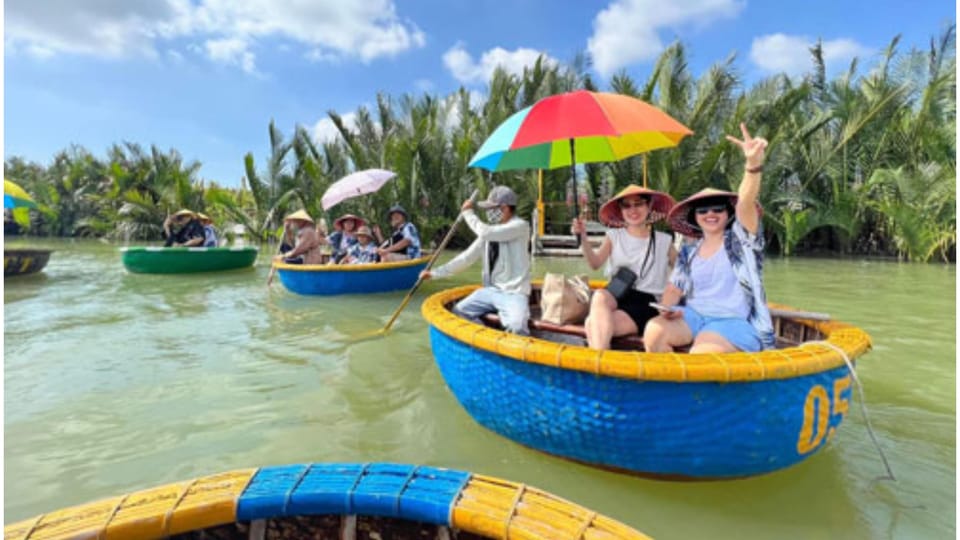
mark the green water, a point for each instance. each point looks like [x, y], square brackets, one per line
[115, 382]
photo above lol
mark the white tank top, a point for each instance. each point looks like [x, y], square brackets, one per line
[629, 251]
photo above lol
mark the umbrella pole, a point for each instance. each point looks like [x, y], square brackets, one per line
[540, 206]
[573, 177]
[644, 170]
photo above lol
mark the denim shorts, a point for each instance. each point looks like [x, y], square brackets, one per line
[739, 332]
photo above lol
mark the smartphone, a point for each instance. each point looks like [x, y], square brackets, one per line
[662, 307]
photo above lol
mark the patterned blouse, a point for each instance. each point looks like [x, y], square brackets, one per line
[361, 254]
[409, 231]
[745, 252]
[340, 243]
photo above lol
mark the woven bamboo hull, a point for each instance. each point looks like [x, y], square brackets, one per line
[350, 278]
[667, 415]
[21, 262]
[181, 260]
[329, 501]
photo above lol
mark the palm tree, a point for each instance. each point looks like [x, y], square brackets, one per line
[269, 191]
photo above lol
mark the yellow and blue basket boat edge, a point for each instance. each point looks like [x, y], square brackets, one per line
[482, 505]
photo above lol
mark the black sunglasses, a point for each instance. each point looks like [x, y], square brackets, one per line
[636, 204]
[715, 208]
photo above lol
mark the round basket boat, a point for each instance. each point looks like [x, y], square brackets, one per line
[21, 262]
[183, 260]
[373, 500]
[328, 280]
[669, 415]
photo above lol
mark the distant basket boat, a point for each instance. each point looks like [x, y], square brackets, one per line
[181, 260]
[21, 262]
[373, 500]
[672, 415]
[322, 279]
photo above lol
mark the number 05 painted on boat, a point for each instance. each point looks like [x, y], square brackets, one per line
[822, 413]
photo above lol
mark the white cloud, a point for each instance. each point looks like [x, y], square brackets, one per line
[231, 51]
[463, 68]
[111, 28]
[175, 56]
[628, 31]
[320, 55]
[324, 131]
[106, 29]
[781, 53]
[364, 30]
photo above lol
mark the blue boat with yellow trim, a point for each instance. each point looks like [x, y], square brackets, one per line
[339, 500]
[671, 415]
[327, 279]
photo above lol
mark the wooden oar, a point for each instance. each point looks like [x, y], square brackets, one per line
[273, 264]
[433, 259]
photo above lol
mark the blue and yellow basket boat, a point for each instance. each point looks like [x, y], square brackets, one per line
[373, 500]
[22, 262]
[323, 279]
[672, 415]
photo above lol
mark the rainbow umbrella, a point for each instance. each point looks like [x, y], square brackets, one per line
[578, 127]
[15, 197]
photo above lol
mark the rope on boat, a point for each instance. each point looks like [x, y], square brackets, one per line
[863, 406]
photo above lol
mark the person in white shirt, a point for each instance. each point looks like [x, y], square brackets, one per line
[506, 262]
[630, 243]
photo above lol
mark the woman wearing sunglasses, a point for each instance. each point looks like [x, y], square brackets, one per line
[623, 308]
[720, 276]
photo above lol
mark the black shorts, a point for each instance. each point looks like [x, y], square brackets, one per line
[637, 305]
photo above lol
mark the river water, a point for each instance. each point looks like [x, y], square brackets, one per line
[115, 382]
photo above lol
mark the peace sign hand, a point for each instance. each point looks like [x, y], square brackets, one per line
[753, 147]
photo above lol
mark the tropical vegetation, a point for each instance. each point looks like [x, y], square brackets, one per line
[860, 163]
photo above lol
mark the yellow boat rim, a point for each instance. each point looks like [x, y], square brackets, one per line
[484, 505]
[350, 267]
[805, 359]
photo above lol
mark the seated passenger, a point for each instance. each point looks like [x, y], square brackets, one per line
[630, 243]
[209, 233]
[721, 275]
[364, 251]
[344, 235]
[186, 230]
[506, 262]
[306, 250]
[404, 242]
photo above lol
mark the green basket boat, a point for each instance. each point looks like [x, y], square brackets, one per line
[182, 260]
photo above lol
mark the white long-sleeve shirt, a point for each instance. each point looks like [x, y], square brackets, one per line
[511, 273]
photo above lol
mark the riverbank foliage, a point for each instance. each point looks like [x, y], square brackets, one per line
[862, 163]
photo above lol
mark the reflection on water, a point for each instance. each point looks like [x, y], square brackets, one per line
[115, 382]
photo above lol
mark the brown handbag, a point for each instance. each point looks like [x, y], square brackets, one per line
[564, 300]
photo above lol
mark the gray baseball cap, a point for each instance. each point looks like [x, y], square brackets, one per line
[498, 196]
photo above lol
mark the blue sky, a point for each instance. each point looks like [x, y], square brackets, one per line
[207, 76]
